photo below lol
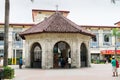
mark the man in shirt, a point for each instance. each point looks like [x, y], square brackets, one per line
[113, 62]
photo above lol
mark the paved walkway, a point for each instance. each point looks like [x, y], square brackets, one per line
[95, 72]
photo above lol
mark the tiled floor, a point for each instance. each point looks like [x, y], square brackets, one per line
[95, 72]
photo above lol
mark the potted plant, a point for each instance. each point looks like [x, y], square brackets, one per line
[8, 73]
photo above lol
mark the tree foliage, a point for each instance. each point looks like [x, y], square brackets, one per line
[115, 32]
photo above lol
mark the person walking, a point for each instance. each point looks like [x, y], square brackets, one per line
[20, 63]
[114, 67]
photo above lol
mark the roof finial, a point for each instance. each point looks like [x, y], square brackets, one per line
[56, 8]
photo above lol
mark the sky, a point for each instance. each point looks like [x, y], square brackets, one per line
[82, 12]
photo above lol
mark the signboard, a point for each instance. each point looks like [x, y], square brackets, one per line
[110, 52]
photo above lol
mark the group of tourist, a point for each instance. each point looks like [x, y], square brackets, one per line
[63, 61]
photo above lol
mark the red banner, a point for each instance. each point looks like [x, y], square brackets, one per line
[110, 52]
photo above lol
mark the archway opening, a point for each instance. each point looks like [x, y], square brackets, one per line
[83, 55]
[36, 55]
[61, 53]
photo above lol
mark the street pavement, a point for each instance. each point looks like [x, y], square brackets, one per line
[95, 72]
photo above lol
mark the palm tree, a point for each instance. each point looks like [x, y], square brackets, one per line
[115, 33]
[113, 1]
[6, 27]
[32, 0]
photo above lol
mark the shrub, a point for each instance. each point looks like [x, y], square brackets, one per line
[8, 73]
[9, 61]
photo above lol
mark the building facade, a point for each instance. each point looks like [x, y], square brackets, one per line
[39, 15]
[100, 47]
[16, 44]
[103, 45]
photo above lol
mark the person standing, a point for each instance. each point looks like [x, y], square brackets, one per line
[20, 63]
[1, 67]
[69, 62]
[62, 63]
[113, 62]
[1, 61]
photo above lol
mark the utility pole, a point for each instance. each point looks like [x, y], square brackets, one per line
[115, 47]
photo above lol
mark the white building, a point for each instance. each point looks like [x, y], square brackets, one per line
[16, 44]
[103, 45]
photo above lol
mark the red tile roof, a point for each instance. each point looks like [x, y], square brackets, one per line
[56, 23]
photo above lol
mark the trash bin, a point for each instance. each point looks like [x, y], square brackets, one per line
[1, 74]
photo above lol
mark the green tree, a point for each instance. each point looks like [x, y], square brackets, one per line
[116, 34]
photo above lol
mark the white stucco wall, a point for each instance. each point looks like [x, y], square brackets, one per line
[47, 42]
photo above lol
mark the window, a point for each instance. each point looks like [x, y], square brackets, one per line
[17, 41]
[106, 38]
[17, 37]
[94, 39]
[1, 52]
[37, 53]
[15, 34]
[18, 53]
[1, 36]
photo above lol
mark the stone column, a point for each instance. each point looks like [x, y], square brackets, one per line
[74, 54]
[88, 53]
[49, 54]
[10, 40]
[43, 43]
[27, 54]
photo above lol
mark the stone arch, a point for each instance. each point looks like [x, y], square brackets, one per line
[61, 52]
[36, 55]
[83, 55]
